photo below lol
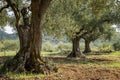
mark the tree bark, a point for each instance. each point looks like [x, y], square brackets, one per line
[28, 58]
[76, 48]
[87, 46]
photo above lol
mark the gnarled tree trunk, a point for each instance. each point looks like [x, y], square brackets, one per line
[28, 58]
[76, 48]
[87, 46]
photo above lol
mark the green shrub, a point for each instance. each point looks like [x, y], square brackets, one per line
[116, 45]
[1, 46]
[82, 46]
[51, 47]
[9, 45]
[64, 46]
[105, 46]
[48, 46]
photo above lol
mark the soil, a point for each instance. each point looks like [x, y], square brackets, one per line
[78, 69]
[74, 72]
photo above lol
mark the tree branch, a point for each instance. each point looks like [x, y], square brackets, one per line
[86, 32]
[80, 30]
[4, 7]
[106, 20]
[90, 31]
[15, 10]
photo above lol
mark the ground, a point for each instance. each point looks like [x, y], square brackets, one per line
[94, 67]
[74, 72]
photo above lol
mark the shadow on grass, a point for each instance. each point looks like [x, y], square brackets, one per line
[64, 60]
[58, 54]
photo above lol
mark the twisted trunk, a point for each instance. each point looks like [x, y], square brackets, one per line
[76, 48]
[28, 58]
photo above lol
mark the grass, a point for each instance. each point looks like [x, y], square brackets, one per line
[12, 53]
[8, 53]
[23, 75]
[112, 64]
[111, 59]
[48, 53]
[104, 60]
[113, 54]
[116, 64]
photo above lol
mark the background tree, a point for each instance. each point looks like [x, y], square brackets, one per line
[76, 19]
[116, 41]
[107, 33]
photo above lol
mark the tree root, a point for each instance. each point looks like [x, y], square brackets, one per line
[18, 65]
[76, 55]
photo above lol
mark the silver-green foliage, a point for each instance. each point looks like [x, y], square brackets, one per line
[68, 17]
